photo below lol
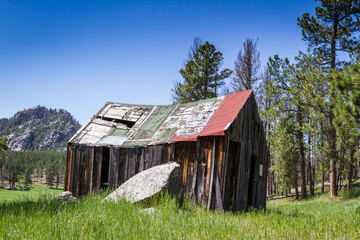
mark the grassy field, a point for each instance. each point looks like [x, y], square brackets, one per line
[315, 218]
[36, 191]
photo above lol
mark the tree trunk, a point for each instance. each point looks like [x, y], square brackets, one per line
[350, 177]
[313, 180]
[296, 187]
[2, 174]
[338, 180]
[322, 182]
[333, 188]
[309, 165]
[302, 154]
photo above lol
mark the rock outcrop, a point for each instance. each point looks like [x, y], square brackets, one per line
[150, 183]
[38, 129]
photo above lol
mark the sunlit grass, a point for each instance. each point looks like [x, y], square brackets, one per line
[318, 217]
[36, 190]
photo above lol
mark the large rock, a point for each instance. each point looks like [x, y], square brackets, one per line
[21, 142]
[149, 183]
[66, 196]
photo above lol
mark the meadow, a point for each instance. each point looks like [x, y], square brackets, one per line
[35, 191]
[318, 217]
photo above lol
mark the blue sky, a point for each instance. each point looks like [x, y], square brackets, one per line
[77, 55]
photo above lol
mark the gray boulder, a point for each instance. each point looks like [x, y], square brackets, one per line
[150, 183]
[66, 196]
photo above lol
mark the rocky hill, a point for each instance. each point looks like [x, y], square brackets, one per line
[38, 129]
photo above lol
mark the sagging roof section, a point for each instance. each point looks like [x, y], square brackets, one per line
[127, 125]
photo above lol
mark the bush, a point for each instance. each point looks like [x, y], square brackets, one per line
[352, 193]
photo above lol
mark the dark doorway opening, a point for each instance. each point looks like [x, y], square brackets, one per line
[231, 172]
[252, 187]
[105, 168]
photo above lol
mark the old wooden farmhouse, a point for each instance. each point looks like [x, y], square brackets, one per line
[219, 143]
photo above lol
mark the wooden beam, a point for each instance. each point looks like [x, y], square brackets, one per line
[99, 158]
[219, 203]
[91, 170]
[233, 138]
[193, 186]
[224, 168]
[212, 174]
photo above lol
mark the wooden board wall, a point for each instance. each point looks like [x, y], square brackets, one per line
[218, 172]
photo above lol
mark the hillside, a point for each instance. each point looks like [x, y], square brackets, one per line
[38, 129]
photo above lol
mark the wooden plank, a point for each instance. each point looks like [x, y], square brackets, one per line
[91, 168]
[239, 193]
[132, 163]
[224, 167]
[219, 203]
[151, 157]
[126, 165]
[194, 178]
[254, 182]
[137, 160]
[201, 176]
[142, 160]
[146, 158]
[85, 171]
[241, 125]
[255, 143]
[116, 156]
[111, 183]
[158, 154]
[172, 150]
[82, 170]
[68, 168]
[185, 164]
[99, 159]
[122, 165]
[94, 171]
[212, 174]
[208, 169]
[78, 172]
[220, 156]
[247, 174]
[73, 169]
[191, 163]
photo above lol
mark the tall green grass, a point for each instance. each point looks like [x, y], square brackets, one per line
[315, 218]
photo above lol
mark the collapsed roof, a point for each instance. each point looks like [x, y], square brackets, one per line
[129, 126]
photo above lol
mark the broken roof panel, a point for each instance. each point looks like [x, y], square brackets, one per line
[127, 125]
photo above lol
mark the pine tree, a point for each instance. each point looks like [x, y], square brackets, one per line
[202, 78]
[332, 30]
[347, 111]
[3, 148]
[289, 84]
[247, 68]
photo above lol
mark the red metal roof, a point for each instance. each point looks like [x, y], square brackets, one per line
[224, 115]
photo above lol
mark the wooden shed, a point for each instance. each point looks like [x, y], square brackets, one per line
[219, 143]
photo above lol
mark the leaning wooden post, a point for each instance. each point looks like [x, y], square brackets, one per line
[212, 175]
[193, 187]
[219, 203]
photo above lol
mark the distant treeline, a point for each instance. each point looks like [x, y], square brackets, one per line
[22, 168]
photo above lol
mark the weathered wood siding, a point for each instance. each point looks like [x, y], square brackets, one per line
[225, 172]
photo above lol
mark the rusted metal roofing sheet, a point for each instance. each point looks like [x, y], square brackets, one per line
[141, 125]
